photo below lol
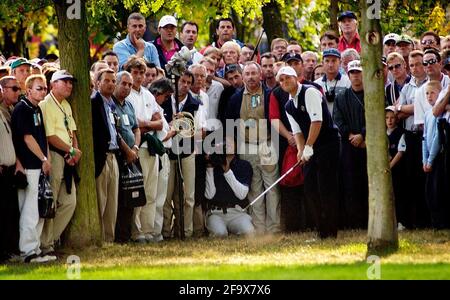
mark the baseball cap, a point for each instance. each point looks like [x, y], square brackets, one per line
[354, 65]
[390, 108]
[19, 62]
[291, 56]
[61, 75]
[331, 52]
[231, 68]
[347, 14]
[391, 37]
[167, 20]
[384, 60]
[286, 70]
[404, 39]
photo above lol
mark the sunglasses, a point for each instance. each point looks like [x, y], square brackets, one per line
[397, 66]
[41, 88]
[429, 62]
[428, 42]
[15, 88]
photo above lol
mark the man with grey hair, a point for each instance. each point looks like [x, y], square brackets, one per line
[130, 134]
[134, 43]
[309, 62]
[251, 105]
[347, 56]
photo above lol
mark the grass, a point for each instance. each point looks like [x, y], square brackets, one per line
[422, 255]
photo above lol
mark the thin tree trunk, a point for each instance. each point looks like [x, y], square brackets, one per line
[273, 24]
[74, 55]
[334, 11]
[382, 229]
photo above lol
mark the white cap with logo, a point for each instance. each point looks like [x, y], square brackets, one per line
[286, 71]
[391, 37]
[354, 65]
[167, 20]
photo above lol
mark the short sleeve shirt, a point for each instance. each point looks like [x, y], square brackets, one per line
[58, 118]
[127, 121]
[27, 119]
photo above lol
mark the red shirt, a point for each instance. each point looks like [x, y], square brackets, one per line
[355, 43]
[168, 53]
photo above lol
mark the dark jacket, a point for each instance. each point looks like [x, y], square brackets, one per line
[190, 106]
[162, 58]
[348, 113]
[100, 132]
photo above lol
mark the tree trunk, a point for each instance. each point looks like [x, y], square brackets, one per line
[382, 229]
[273, 24]
[74, 55]
[334, 11]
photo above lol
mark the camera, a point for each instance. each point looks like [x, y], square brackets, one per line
[330, 96]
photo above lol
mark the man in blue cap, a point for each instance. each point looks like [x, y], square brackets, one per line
[350, 38]
[333, 82]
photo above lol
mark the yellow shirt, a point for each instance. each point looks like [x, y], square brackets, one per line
[55, 117]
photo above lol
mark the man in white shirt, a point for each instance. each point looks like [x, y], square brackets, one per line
[149, 119]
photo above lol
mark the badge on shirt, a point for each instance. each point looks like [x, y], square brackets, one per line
[255, 100]
[37, 119]
[125, 119]
[111, 117]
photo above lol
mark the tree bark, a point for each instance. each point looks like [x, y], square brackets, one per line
[273, 24]
[334, 11]
[74, 56]
[382, 227]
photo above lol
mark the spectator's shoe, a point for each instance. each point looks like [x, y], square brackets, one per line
[34, 258]
[149, 238]
[140, 240]
[51, 256]
[158, 238]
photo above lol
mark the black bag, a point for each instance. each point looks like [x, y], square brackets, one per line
[131, 185]
[46, 205]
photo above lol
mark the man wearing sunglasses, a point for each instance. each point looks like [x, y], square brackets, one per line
[31, 146]
[397, 67]
[9, 209]
[64, 152]
[433, 68]
[430, 39]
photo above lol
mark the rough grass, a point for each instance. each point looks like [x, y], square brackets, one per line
[422, 255]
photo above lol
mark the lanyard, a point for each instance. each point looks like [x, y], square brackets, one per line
[66, 119]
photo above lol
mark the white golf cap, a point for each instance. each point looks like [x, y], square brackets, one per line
[354, 65]
[167, 20]
[62, 75]
[391, 37]
[286, 71]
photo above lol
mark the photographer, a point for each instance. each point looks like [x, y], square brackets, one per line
[228, 181]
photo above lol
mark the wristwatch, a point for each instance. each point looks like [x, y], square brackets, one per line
[399, 108]
[44, 159]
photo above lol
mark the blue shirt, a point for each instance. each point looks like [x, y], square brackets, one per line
[110, 108]
[430, 144]
[127, 121]
[125, 48]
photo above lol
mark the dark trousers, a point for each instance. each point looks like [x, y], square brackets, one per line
[321, 188]
[415, 210]
[437, 199]
[292, 209]
[354, 198]
[9, 214]
[124, 213]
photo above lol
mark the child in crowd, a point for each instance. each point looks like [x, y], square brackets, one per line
[433, 163]
[397, 148]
